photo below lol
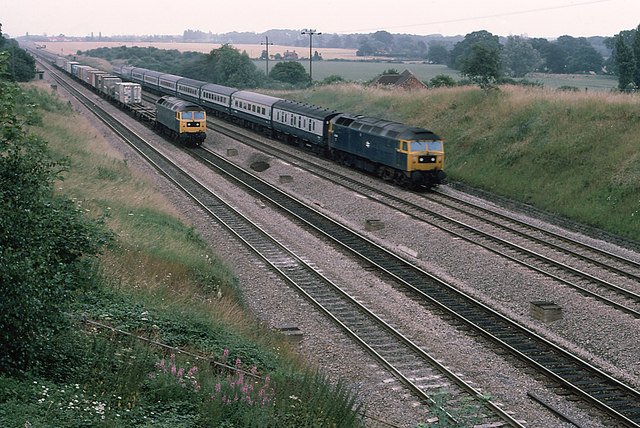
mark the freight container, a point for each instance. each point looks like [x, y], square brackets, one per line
[128, 93]
[68, 66]
[76, 69]
[86, 74]
[106, 81]
[60, 62]
[109, 85]
[93, 77]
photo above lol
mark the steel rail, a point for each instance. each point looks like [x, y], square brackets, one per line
[283, 262]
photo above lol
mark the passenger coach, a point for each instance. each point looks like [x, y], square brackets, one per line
[302, 124]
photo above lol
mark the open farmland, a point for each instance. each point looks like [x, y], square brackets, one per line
[364, 71]
[254, 51]
[349, 66]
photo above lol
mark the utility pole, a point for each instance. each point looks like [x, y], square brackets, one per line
[310, 32]
[267, 43]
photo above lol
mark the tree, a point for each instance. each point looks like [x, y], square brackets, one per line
[366, 47]
[635, 48]
[483, 66]
[44, 239]
[581, 56]
[623, 57]
[520, 57]
[384, 37]
[289, 72]
[584, 60]
[437, 54]
[227, 66]
[553, 56]
[626, 59]
[463, 50]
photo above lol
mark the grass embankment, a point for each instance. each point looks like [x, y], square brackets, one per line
[159, 280]
[575, 154]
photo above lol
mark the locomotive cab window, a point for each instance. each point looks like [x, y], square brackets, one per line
[434, 146]
[418, 146]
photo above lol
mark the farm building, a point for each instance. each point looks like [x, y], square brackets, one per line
[405, 80]
[290, 55]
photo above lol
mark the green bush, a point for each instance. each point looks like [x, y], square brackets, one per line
[442, 80]
[44, 239]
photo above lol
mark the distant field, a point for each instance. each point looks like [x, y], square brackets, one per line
[582, 82]
[353, 69]
[363, 71]
[254, 51]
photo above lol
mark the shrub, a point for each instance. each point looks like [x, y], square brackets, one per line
[442, 80]
[43, 238]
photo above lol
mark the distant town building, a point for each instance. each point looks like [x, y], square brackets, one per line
[289, 55]
[405, 80]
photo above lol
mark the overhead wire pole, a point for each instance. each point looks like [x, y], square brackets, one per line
[267, 43]
[310, 32]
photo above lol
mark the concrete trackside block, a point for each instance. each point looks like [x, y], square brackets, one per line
[292, 334]
[409, 251]
[545, 311]
[232, 152]
[285, 179]
[373, 225]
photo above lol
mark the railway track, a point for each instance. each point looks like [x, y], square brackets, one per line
[611, 279]
[578, 376]
[618, 400]
[612, 396]
[420, 373]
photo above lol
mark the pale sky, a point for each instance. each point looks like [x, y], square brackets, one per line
[542, 18]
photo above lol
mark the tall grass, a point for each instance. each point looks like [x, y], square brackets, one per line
[159, 280]
[572, 153]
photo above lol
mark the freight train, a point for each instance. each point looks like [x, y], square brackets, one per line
[398, 153]
[184, 121]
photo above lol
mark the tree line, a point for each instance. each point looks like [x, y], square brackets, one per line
[20, 66]
[225, 65]
[483, 59]
[520, 55]
[626, 55]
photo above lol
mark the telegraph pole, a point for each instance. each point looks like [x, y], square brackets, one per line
[267, 43]
[310, 33]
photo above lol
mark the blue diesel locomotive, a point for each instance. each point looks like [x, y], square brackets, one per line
[182, 120]
[398, 153]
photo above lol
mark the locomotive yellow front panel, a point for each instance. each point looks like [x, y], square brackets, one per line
[423, 155]
[192, 121]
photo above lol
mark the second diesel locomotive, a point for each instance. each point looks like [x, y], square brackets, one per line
[402, 154]
[183, 120]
